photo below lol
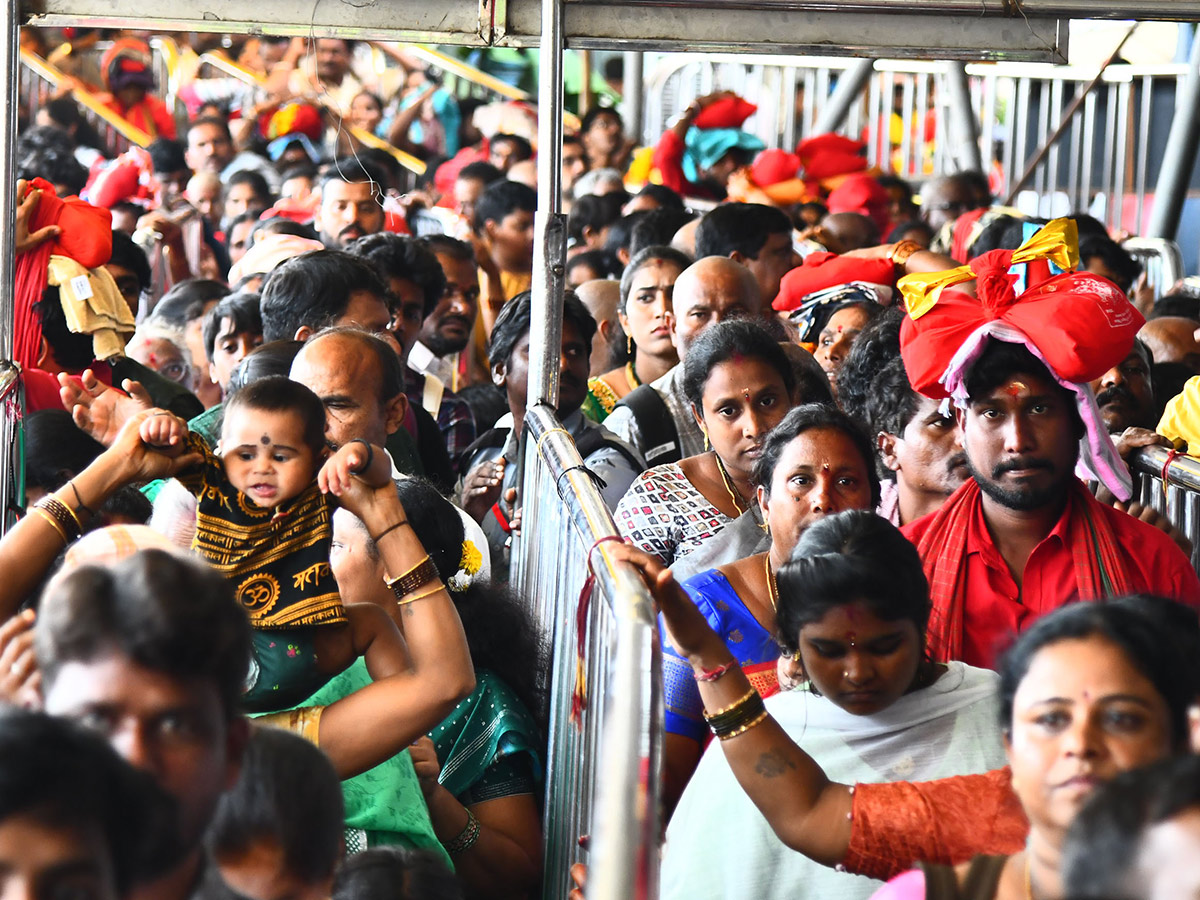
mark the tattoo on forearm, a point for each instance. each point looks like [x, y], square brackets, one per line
[773, 763]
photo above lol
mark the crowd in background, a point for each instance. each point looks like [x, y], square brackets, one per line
[867, 441]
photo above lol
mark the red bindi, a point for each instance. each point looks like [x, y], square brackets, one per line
[1016, 388]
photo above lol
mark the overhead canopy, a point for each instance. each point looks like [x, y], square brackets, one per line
[940, 29]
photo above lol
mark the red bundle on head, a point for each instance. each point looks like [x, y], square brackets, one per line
[1081, 324]
[773, 166]
[829, 155]
[864, 195]
[825, 270]
[729, 112]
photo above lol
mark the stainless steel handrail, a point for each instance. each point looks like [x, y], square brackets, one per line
[1170, 483]
[604, 775]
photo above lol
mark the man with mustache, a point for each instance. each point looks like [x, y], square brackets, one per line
[488, 492]
[1024, 536]
[1125, 393]
[919, 441]
[351, 203]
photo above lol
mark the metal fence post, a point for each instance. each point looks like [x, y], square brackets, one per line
[550, 226]
[964, 127]
[9, 76]
[1180, 154]
[850, 85]
[634, 88]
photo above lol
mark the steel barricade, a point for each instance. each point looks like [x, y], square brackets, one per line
[603, 774]
[1171, 484]
[1161, 261]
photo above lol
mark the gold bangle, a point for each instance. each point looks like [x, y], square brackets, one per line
[429, 593]
[420, 574]
[53, 523]
[757, 720]
[902, 251]
[732, 706]
[61, 513]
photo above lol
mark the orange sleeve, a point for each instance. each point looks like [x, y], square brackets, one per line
[948, 821]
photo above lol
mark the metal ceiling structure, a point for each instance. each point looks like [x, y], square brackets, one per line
[943, 30]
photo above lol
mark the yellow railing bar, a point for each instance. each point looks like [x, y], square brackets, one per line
[86, 99]
[468, 72]
[219, 60]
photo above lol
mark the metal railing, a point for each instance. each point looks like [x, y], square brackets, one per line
[1101, 162]
[1171, 484]
[38, 81]
[1161, 261]
[603, 774]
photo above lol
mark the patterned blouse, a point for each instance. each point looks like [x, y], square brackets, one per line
[664, 514]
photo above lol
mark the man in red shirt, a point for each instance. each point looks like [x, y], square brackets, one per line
[1025, 536]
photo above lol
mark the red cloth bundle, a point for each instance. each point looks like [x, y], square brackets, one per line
[829, 155]
[821, 271]
[729, 112]
[86, 237]
[1082, 324]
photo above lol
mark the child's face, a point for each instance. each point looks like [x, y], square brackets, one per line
[265, 455]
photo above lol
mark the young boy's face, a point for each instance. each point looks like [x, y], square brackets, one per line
[266, 457]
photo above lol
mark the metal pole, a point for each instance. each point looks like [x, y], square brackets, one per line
[964, 129]
[9, 77]
[849, 86]
[550, 226]
[1180, 154]
[633, 90]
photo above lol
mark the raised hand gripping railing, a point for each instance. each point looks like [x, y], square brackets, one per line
[603, 773]
[216, 59]
[39, 80]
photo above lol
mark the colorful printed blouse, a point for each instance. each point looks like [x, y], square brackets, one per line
[664, 514]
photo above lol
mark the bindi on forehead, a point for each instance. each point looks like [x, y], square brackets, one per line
[265, 440]
[1017, 389]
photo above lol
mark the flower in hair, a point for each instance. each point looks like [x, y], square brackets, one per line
[468, 566]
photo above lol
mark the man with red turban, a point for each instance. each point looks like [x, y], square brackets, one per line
[1024, 535]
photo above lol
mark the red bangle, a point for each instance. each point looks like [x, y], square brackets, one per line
[713, 674]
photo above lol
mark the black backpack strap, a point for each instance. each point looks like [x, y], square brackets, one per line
[594, 438]
[655, 425]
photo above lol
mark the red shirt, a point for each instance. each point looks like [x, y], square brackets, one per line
[997, 610]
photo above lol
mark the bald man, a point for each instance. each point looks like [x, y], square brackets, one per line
[848, 231]
[601, 296]
[656, 418]
[1172, 339]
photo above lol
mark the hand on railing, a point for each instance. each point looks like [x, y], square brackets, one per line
[1133, 439]
[25, 208]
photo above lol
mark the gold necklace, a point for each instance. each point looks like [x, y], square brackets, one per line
[734, 495]
[631, 376]
[772, 585]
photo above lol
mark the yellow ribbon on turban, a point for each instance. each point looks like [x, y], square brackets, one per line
[1057, 241]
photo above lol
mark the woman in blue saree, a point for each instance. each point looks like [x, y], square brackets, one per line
[814, 463]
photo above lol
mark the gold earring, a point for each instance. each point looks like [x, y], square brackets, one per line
[765, 526]
[629, 344]
[706, 447]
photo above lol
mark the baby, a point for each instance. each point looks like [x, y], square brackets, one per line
[264, 524]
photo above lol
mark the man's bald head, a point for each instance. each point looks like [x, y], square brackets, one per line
[358, 378]
[708, 291]
[850, 231]
[1172, 339]
[685, 238]
[601, 296]
[946, 198]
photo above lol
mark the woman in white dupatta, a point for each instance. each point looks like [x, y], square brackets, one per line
[852, 609]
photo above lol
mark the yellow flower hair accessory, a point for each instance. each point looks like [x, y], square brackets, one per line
[468, 567]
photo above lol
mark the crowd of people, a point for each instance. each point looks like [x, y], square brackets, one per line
[868, 446]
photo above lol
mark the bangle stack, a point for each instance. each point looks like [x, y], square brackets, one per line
[418, 576]
[466, 838]
[901, 252]
[61, 516]
[738, 717]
